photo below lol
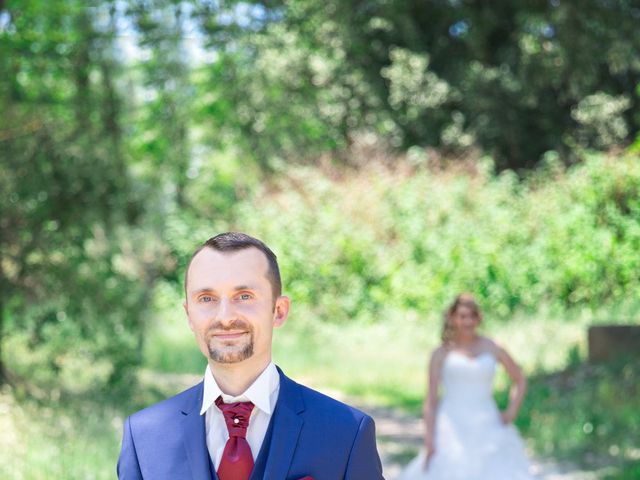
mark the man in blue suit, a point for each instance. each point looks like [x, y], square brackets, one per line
[246, 420]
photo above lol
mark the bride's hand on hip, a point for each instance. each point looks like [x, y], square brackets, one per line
[507, 417]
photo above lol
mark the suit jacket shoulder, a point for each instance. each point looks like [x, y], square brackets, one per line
[329, 408]
[334, 440]
[166, 440]
[154, 416]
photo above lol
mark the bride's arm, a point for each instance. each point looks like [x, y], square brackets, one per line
[431, 400]
[518, 384]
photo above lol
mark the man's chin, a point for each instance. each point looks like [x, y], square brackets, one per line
[230, 355]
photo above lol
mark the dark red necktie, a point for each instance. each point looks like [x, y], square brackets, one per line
[237, 461]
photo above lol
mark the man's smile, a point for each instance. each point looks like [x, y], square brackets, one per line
[229, 335]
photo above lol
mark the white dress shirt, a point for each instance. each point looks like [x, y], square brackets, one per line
[263, 393]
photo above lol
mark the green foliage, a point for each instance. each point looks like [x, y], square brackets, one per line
[601, 120]
[121, 150]
[586, 412]
[377, 243]
[516, 79]
[99, 148]
[72, 289]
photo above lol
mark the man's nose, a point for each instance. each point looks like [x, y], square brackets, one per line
[225, 310]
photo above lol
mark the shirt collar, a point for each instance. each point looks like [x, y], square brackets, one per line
[259, 392]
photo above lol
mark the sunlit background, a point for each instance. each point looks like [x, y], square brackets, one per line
[392, 153]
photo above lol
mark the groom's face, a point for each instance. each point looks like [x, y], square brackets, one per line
[230, 305]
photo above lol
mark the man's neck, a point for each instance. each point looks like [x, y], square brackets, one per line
[235, 378]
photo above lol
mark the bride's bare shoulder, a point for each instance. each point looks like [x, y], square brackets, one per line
[439, 353]
[495, 348]
[489, 345]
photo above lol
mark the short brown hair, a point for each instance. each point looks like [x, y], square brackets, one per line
[235, 241]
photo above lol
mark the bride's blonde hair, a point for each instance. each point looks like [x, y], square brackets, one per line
[462, 300]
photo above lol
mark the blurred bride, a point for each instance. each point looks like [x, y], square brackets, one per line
[467, 437]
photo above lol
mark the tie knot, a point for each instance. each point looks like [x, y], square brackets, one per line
[236, 416]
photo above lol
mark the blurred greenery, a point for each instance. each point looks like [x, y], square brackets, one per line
[587, 412]
[392, 153]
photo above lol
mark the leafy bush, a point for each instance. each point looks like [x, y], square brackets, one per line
[380, 242]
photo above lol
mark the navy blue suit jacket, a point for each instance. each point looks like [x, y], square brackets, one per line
[311, 435]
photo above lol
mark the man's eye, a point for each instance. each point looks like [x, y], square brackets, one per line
[245, 296]
[206, 299]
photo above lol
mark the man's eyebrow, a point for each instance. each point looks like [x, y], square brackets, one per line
[202, 290]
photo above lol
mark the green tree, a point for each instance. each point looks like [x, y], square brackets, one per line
[67, 201]
[516, 78]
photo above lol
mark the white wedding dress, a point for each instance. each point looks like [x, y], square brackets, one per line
[471, 442]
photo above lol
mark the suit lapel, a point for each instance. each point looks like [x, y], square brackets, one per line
[287, 424]
[194, 437]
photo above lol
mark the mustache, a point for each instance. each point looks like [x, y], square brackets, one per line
[234, 325]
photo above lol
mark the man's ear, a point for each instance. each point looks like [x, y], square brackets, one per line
[281, 311]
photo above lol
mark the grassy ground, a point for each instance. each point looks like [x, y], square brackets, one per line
[54, 439]
[587, 414]
[68, 436]
[572, 412]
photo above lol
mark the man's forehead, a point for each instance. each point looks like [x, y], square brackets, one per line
[248, 260]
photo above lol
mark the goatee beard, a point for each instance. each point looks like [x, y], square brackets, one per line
[231, 357]
[231, 354]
